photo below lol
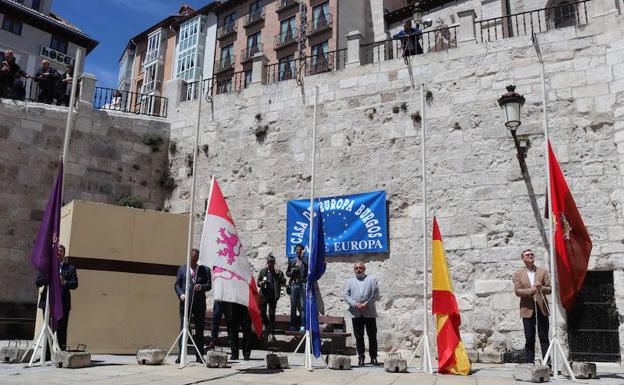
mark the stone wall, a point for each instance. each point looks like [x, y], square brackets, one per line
[475, 187]
[107, 159]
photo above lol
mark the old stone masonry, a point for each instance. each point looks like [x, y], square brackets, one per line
[257, 144]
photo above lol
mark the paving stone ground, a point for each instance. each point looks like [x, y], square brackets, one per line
[114, 369]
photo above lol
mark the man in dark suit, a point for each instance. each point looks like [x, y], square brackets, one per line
[47, 77]
[270, 281]
[532, 284]
[69, 281]
[199, 284]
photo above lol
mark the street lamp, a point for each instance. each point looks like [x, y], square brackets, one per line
[417, 13]
[511, 103]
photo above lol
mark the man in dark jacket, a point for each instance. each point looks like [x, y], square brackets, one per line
[199, 284]
[69, 281]
[298, 272]
[270, 281]
[47, 77]
[10, 72]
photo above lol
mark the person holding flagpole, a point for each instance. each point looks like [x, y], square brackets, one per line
[360, 293]
[532, 284]
[68, 279]
[199, 284]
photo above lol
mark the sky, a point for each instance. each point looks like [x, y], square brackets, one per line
[113, 23]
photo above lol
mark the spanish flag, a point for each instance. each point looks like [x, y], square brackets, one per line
[452, 357]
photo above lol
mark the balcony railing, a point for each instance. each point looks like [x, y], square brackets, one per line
[131, 102]
[320, 24]
[286, 4]
[310, 65]
[285, 38]
[225, 63]
[254, 17]
[226, 30]
[248, 53]
[530, 22]
[415, 44]
[234, 82]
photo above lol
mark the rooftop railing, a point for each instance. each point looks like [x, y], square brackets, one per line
[415, 44]
[132, 102]
[530, 22]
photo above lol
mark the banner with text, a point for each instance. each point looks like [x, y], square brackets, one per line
[352, 224]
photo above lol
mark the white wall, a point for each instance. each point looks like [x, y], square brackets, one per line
[211, 43]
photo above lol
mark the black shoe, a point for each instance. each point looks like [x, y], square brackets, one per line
[177, 361]
[361, 361]
[234, 357]
[199, 360]
[374, 361]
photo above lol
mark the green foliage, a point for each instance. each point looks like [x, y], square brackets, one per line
[154, 141]
[167, 182]
[403, 106]
[173, 148]
[129, 201]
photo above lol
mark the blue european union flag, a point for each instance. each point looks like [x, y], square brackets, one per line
[316, 269]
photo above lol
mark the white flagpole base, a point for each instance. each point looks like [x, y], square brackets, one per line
[308, 357]
[184, 333]
[555, 353]
[424, 347]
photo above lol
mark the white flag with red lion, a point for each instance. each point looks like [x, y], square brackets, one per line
[232, 279]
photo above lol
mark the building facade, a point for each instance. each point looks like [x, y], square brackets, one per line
[34, 33]
[285, 31]
[180, 46]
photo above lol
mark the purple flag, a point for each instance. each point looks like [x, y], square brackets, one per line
[45, 253]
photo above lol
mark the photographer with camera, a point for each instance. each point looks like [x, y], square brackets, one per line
[298, 273]
[270, 281]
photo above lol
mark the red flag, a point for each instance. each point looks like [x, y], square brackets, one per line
[571, 240]
[221, 249]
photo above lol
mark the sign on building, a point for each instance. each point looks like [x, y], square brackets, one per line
[352, 224]
[55, 56]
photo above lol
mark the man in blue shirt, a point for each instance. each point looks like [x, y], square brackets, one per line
[410, 39]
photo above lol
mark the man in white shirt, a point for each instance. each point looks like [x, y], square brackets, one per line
[532, 285]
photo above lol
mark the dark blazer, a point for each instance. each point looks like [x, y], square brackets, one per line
[299, 274]
[47, 81]
[203, 278]
[68, 271]
[278, 281]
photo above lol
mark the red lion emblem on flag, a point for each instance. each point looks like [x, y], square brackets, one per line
[232, 249]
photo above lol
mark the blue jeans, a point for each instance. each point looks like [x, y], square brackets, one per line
[297, 302]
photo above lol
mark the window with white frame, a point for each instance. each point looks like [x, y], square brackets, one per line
[153, 46]
[151, 78]
[188, 59]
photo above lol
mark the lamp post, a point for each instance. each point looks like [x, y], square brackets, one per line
[511, 103]
[417, 13]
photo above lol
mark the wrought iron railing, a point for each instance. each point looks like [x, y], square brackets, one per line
[225, 63]
[310, 65]
[286, 4]
[254, 16]
[249, 52]
[530, 22]
[132, 102]
[226, 30]
[320, 23]
[28, 89]
[286, 38]
[224, 84]
[415, 44]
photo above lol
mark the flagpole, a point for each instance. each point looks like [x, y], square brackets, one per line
[308, 350]
[424, 343]
[554, 349]
[185, 334]
[46, 332]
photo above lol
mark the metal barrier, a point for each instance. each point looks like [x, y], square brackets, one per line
[530, 22]
[414, 44]
[310, 65]
[132, 102]
[223, 84]
[27, 88]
